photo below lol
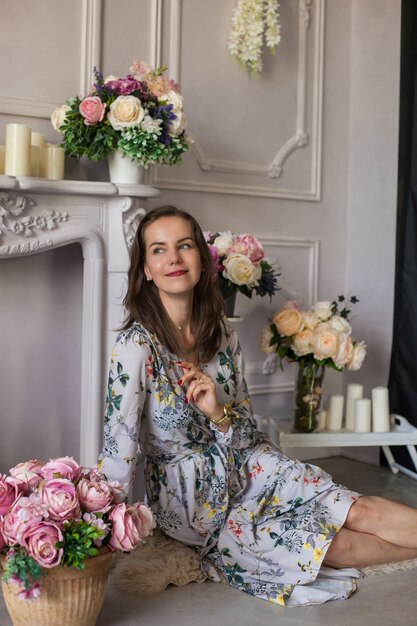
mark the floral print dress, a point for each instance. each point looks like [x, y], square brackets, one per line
[262, 519]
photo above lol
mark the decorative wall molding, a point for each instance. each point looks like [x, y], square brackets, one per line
[155, 28]
[302, 135]
[90, 42]
[90, 56]
[266, 390]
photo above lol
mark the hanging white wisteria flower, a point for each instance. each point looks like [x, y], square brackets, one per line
[253, 21]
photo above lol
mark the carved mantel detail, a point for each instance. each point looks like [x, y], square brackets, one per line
[13, 220]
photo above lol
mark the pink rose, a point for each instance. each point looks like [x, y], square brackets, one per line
[60, 495]
[249, 246]
[92, 109]
[62, 467]
[130, 525]
[40, 541]
[8, 494]
[95, 496]
[27, 475]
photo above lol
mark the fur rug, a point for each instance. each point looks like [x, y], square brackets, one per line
[161, 561]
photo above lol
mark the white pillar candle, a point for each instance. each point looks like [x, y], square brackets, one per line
[34, 160]
[17, 159]
[335, 412]
[38, 140]
[354, 392]
[380, 410]
[53, 162]
[322, 420]
[2, 154]
[362, 415]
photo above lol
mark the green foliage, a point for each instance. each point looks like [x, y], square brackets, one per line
[78, 543]
[20, 565]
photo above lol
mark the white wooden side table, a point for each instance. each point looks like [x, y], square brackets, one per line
[402, 433]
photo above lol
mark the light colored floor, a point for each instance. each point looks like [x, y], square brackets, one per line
[384, 600]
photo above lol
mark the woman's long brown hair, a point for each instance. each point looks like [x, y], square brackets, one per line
[143, 304]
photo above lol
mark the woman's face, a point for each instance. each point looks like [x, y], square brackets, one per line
[172, 259]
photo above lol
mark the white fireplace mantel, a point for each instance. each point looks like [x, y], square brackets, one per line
[38, 215]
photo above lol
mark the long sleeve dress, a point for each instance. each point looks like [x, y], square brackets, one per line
[263, 520]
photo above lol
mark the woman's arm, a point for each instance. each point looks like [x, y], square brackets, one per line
[126, 391]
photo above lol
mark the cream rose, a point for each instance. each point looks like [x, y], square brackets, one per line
[340, 325]
[310, 319]
[345, 352]
[359, 353]
[265, 341]
[241, 271]
[289, 322]
[110, 78]
[223, 243]
[323, 309]
[174, 98]
[325, 342]
[125, 111]
[58, 116]
[301, 343]
[178, 125]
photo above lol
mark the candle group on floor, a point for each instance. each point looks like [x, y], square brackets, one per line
[27, 154]
[363, 415]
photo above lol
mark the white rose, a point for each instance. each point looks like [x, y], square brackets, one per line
[310, 319]
[174, 98]
[359, 353]
[125, 112]
[241, 271]
[323, 309]
[109, 78]
[340, 325]
[223, 243]
[345, 352]
[58, 116]
[177, 126]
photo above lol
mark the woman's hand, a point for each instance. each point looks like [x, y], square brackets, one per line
[201, 391]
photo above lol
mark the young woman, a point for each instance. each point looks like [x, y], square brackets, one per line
[177, 392]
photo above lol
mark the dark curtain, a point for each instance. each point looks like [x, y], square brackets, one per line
[403, 369]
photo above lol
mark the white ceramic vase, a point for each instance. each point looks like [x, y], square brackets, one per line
[123, 170]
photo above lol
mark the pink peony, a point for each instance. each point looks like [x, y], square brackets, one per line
[124, 86]
[131, 525]
[2, 539]
[40, 541]
[95, 496]
[26, 476]
[60, 495]
[92, 109]
[249, 246]
[62, 467]
[8, 494]
[23, 514]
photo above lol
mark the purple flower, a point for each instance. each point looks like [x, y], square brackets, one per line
[125, 86]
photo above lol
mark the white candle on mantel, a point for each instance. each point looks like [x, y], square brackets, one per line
[53, 161]
[37, 140]
[354, 392]
[335, 412]
[380, 410]
[362, 415]
[2, 155]
[322, 420]
[34, 160]
[17, 159]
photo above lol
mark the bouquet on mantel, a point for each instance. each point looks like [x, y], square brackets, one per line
[141, 115]
[59, 513]
[239, 264]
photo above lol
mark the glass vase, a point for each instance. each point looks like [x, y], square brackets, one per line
[308, 396]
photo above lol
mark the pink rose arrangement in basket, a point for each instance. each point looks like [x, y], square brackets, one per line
[60, 513]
